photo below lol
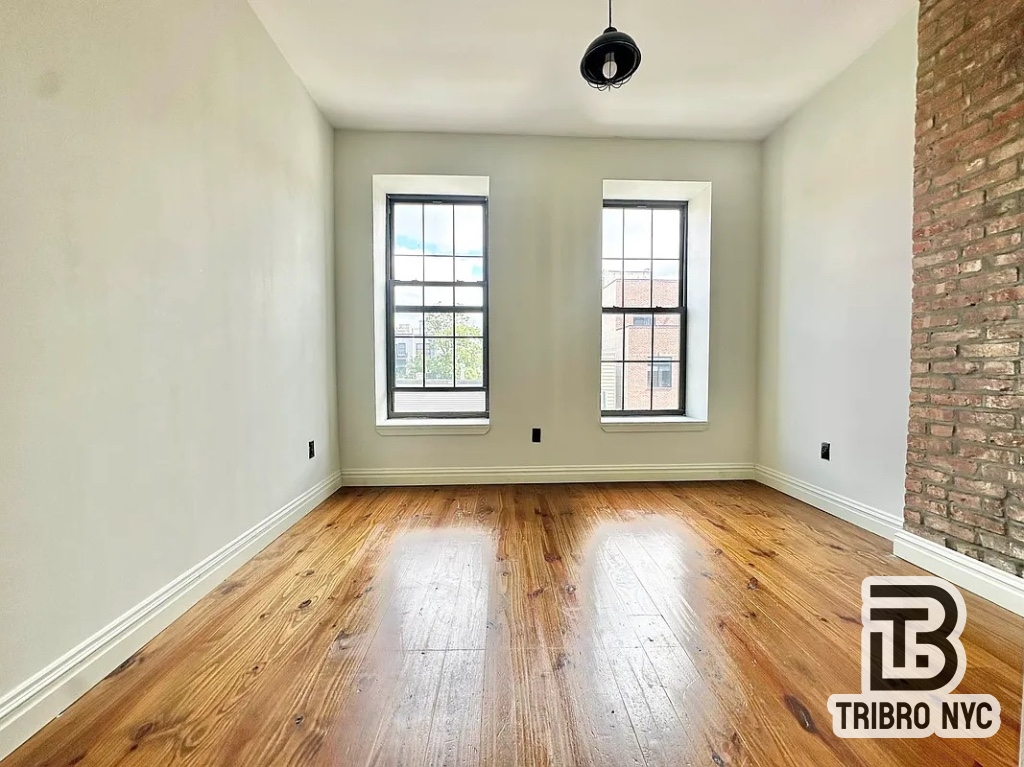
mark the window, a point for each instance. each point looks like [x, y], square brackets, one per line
[436, 306]
[660, 375]
[643, 308]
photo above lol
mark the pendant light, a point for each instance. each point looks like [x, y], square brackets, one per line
[611, 59]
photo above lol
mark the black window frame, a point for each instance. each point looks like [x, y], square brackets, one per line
[679, 310]
[391, 308]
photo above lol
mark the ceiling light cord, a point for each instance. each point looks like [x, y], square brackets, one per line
[609, 13]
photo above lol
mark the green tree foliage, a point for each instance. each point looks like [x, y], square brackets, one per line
[464, 354]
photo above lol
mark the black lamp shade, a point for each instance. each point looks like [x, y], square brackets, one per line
[627, 59]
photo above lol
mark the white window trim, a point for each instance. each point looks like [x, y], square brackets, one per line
[654, 423]
[383, 185]
[697, 196]
[410, 427]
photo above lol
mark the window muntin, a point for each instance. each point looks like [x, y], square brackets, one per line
[437, 306]
[643, 308]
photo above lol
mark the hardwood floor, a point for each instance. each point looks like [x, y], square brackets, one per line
[658, 624]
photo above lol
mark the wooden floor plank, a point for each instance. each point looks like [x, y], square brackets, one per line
[644, 624]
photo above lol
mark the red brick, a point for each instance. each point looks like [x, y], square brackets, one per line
[968, 324]
[949, 527]
[997, 175]
[1002, 545]
[985, 453]
[952, 465]
[1004, 475]
[995, 244]
[997, 420]
[997, 225]
[973, 520]
[1010, 187]
[981, 487]
[1007, 151]
[1006, 276]
[1007, 439]
[960, 367]
[957, 400]
[1005, 330]
[999, 368]
[986, 384]
[1005, 402]
[990, 350]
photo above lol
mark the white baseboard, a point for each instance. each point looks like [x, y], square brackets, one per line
[866, 517]
[984, 580]
[31, 705]
[495, 475]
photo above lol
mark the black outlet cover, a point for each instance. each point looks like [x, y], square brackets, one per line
[312, 449]
[536, 435]
[826, 451]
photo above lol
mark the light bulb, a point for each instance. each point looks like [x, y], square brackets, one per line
[610, 68]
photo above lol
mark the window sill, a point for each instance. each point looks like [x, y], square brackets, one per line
[653, 424]
[409, 427]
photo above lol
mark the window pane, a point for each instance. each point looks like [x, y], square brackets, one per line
[636, 290]
[440, 324]
[637, 228]
[666, 283]
[407, 222]
[638, 336]
[437, 296]
[408, 268]
[469, 324]
[408, 362]
[666, 386]
[638, 387]
[611, 281]
[469, 296]
[440, 364]
[611, 386]
[437, 269]
[611, 337]
[611, 233]
[665, 270]
[469, 230]
[437, 229]
[637, 269]
[666, 337]
[469, 361]
[407, 296]
[469, 269]
[666, 234]
[408, 324]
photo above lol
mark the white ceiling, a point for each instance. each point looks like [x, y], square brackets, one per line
[711, 68]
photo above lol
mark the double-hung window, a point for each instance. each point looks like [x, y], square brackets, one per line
[643, 331]
[436, 264]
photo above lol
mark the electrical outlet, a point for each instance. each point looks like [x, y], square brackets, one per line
[826, 451]
[312, 449]
[536, 435]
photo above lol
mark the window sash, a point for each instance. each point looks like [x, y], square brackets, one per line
[680, 311]
[392, 308]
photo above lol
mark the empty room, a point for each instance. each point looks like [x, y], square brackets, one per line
[633, 383]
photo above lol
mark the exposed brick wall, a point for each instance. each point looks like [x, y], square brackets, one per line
[965, 460]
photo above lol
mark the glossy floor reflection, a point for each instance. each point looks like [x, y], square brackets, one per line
[662, 624]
